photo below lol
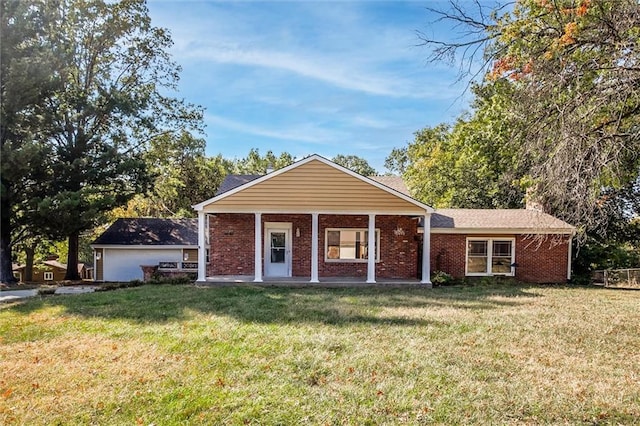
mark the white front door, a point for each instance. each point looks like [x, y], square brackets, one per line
[277, 253]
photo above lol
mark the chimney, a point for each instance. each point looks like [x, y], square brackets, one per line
[532, 201]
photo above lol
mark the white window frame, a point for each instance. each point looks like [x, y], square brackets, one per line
[48, 276]
[489, 241]
[326, 245]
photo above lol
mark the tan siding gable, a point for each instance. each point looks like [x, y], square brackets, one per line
[313, 186]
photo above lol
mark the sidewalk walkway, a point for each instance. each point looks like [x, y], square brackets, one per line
[12, 295]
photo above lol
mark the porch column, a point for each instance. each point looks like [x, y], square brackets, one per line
[202, 249]
[314, 248]
[258, 249]
[371, 250]
[426, 251]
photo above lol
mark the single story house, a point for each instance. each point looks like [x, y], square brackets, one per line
[128, 244]
[51, 270]
[317, 220]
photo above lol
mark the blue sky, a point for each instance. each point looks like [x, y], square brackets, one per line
[325, 77]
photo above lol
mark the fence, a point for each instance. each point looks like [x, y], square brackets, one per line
[617, 277]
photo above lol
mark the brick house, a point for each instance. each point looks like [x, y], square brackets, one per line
[316, 220]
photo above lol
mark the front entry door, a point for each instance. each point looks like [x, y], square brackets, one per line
[277, 252]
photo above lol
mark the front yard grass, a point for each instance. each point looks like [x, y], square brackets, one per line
[164, 355]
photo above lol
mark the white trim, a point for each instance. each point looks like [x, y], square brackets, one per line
[203, 230]
[225, 210]
[257, 263]
[426, 251]
[275, 226]
[46, 274]
[202, 205]
[489, 241]
[326, 246]
[314, 248]
[569, 255]
[371, 248]
[503, 231]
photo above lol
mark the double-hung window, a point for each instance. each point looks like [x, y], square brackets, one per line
[490, 256]
[349, 245]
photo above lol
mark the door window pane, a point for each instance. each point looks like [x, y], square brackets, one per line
[277, 247]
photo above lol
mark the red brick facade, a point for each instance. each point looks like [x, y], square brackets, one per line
[232, 245]
[232, 249]
[538, 261]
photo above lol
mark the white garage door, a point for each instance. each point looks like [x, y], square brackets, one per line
[124, 264]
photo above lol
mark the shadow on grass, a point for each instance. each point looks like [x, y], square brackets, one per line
[163, 303]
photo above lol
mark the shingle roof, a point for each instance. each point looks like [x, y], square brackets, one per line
[233, 181]
[150, 231]
[393, 182]
[496, 219]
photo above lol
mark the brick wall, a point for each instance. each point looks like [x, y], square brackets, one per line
[538, 261]
[232, 245]
[542, 261]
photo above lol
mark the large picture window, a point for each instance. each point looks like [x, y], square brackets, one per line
[349, 245]
[489, 256]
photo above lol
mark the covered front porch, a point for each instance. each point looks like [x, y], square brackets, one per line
[313, 221]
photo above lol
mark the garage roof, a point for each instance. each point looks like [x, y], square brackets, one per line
[150, 231]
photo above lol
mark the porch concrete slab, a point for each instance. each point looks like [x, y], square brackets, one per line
[11, 295]
[332, 282]
[75, 290]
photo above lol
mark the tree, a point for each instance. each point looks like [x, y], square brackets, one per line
[467, 165]
[184, 176]
[575, 94]
[25, 69]
[112, 70]
[355, 163]
[254, 163]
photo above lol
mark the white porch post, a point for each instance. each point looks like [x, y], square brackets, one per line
[426, 251]
[258, 249]
[314, 248]
[202, 246]
[371, 250]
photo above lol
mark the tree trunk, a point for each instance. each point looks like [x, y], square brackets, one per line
[6, 269]
[72, 258]
[29, 252]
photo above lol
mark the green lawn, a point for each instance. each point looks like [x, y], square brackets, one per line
[163, 355]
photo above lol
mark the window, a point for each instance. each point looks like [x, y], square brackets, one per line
[349, 245]
[488, 256]
[48, 276]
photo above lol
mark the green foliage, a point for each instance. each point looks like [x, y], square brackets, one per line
[468, 165]
[355, 164]
[105, 100]
[254, 163]
[441, 278]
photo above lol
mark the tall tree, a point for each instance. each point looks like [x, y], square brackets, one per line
[469, 164]
[25, 71]
[114, 70]
[355, 163]
[183, 175]
[573, 68]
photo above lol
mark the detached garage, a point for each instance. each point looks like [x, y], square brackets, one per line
[128, 244]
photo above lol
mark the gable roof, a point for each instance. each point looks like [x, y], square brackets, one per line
[394, 182]
[313, 184]
[506, 220]
[150, 232]
[233, 181]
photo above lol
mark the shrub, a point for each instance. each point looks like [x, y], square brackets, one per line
[441, 278]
